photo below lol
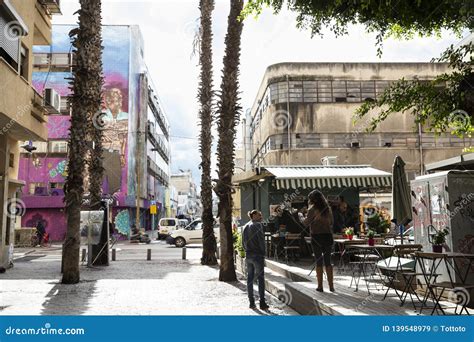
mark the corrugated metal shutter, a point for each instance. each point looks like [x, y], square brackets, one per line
[8, 42]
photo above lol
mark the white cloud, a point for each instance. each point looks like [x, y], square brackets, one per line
[168, 30]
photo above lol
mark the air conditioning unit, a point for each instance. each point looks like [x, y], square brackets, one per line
[329, 160]
[52, 101]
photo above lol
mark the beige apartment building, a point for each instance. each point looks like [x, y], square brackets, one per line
[23, 23]
[304, 112]
[189, 203]
[300, 135]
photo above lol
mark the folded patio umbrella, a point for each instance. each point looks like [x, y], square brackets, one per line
[401, 202]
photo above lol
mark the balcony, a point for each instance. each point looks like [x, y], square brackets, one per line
[157, 172]
[53, 6]
[53, 61]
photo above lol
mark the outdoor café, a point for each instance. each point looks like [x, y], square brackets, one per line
[416, 258]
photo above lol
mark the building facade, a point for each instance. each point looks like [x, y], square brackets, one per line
[23, 116]
[135, 135]
[188, 199]
[304, 112]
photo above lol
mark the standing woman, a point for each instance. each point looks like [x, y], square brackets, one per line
[320, 221]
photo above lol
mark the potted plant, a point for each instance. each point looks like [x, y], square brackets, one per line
[370, 235]
[378, 223]
[438, 240]
[349, 232]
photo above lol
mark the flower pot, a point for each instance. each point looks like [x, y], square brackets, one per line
[371, 241]
[350, 237]
[437, 248]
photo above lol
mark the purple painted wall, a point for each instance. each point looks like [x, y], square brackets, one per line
[48, 170]
[58, 126]
[53, 219]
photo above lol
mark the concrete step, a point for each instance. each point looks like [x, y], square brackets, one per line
[292, 273]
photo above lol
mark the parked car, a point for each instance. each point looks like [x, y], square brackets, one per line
[183, 222]
[192, 233]
[408, 237]
[167, 225]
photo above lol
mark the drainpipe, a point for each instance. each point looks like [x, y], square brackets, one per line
[420, 139]
[288, 117]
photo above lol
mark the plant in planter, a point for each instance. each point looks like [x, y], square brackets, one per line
[238, 246]
[378, 223]
[370, 235]
[239, 253]
[349, 232]
[439, 239]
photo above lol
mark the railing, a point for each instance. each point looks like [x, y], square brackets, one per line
[57, 60]
[157, 171]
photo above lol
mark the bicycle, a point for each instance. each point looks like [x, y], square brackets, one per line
[45, 242]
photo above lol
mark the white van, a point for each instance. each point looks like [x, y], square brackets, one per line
[167, 225]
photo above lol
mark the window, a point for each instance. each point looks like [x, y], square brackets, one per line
[56, 185]
[167, 223]
[24, 56]
[11, 161]
[58, 146]
[325, 91]
[10, 32]
[35, 187]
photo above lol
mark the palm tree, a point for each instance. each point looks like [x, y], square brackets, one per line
[228, 116]
[86, 86]
[205, 95]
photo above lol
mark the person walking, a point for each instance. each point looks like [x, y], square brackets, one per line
[320, 222]
[253, 241]
[40, 231]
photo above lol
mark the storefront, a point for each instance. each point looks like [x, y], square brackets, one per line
[290, 185]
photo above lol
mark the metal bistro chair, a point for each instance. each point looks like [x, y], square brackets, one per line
[401, 264]
[292, 246]
[363, 266]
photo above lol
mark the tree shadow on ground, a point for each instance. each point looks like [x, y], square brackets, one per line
[68, 299]
[50, 269]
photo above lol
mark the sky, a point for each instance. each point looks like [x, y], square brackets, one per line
[169, 26]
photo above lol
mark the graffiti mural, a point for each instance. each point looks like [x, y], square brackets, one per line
[43, 169]
[122, 222]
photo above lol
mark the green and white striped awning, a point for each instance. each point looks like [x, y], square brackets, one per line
[335, 176]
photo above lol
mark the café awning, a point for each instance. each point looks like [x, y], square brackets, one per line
[334, 176]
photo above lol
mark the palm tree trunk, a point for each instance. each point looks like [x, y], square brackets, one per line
[205, 96]
[228, 113]
[86, 86]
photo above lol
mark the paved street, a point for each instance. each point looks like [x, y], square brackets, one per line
[166, 285]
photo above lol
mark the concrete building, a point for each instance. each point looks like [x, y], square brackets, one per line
[135, 129]
[188, 199]
[23, 23]
[303, 112]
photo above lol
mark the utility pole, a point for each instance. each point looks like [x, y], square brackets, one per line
[137, 192]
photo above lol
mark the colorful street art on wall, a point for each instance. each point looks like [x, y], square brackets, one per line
[60, 169]
[43, 169]
[122, 222]
[120, 106]
[116, 96]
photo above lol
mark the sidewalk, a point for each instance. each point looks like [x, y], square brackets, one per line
[129, 286]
